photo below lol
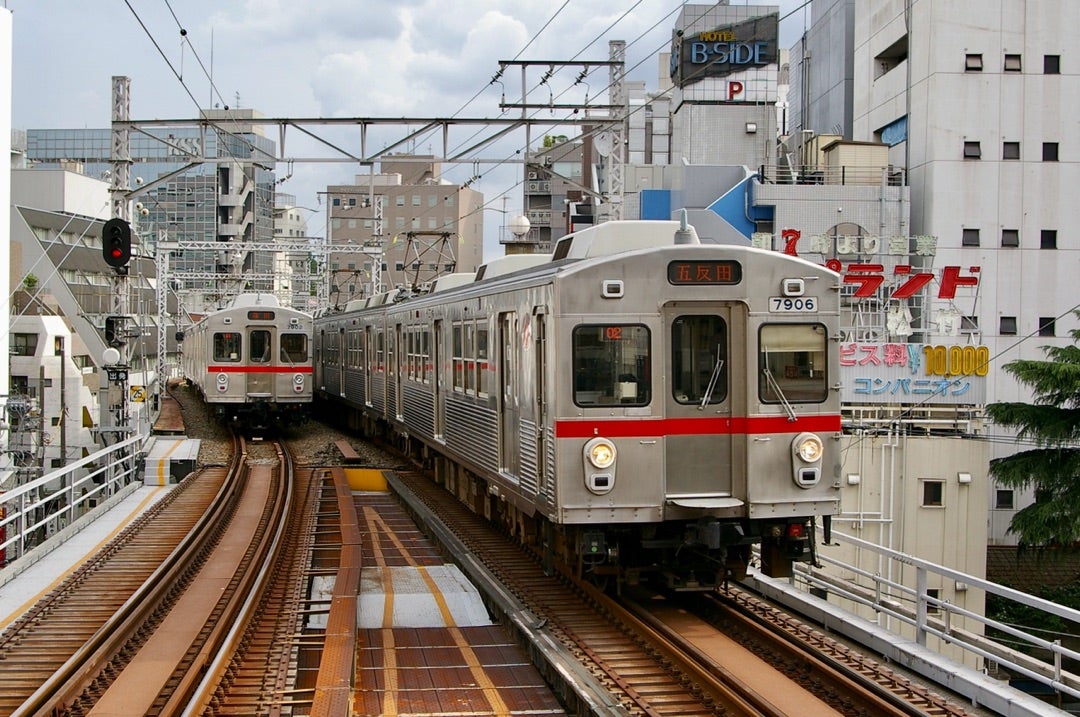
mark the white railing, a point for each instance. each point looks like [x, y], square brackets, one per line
[933, 616]
[33, 512]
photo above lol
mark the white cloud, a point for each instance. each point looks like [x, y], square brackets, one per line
[335, 58]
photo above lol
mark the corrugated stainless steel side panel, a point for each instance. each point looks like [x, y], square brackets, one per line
[354, 387]
[548, 487]
[391, 398]
[472, 432]
[378, 392]
[420, 409]
[527, 451]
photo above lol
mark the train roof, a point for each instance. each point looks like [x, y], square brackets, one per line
[509, 264]
[623, 236]
[255, 300]
[449, 281]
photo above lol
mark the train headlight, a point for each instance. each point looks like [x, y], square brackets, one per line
[599, 458]
[600, 452]
[222, 382]
[806, 452]
[298, 379]
[808, 447]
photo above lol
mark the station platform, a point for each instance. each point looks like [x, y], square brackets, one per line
[170, 421]
[47, 566]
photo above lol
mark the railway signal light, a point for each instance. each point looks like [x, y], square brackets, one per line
[114, 331]
[116, 243]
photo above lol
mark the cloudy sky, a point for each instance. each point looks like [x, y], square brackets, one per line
[332, 58]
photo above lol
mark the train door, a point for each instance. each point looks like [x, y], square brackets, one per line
[369, 362]
[341, 354]
[539, 337]
[436, 379]
[700, 363]
[509, 412]
[400, 350]
[260, 384]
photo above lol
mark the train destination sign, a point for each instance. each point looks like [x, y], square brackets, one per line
[704, 273]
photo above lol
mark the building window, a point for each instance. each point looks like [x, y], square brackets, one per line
[1007, 326]
[1046, 326]
[933, 493]
[1010, 150]
[933, 594]
[1050, 151]
[969, 324]
[416, 200]
[1012, 63]
[973, 62]
[1010, 237]
[1004, 500]
[970, 238]
[1048, 239]
[352, 201]
[1051, 64]
[337, 201]
[972, 150]
[399, 200]
[23, 344]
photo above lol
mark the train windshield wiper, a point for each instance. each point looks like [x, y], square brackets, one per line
[712, 380]
[771, 380]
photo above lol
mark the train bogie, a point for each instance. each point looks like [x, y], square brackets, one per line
[654, 403]
[252, 362]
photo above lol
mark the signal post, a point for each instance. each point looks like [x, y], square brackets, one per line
[114, 422]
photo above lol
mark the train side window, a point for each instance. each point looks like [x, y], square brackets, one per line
[791, 363]
[611, 365]
[294, 348]
[260, 346]
[227, 346]
[482, 353]
[699, 352]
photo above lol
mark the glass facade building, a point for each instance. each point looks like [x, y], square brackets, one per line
[211, 200]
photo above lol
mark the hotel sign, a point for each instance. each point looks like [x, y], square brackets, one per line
[726, 50]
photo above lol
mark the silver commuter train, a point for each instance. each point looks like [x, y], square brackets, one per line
[637, 402]
[252, 362]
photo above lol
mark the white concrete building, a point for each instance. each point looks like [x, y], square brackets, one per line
[983, 114]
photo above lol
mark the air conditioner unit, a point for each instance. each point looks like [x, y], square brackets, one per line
[532, 175]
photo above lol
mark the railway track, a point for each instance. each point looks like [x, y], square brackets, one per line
[134, 630]
[658, 657]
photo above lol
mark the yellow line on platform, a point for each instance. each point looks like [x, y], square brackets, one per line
[93, 551]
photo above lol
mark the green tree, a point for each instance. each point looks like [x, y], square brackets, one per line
[1052, 424]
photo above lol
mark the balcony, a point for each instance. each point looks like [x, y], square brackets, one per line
[837, 175]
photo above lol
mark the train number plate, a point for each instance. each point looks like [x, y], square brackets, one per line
[793, 304]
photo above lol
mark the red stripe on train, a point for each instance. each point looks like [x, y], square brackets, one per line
[643, 427]
[259, 369]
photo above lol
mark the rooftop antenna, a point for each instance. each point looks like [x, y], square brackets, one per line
[684, 234]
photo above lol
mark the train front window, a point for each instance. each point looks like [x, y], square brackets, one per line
[699, 352]
[791, 363]
[294, 348]
[227, 346]
[260, 346]
[611, 365]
